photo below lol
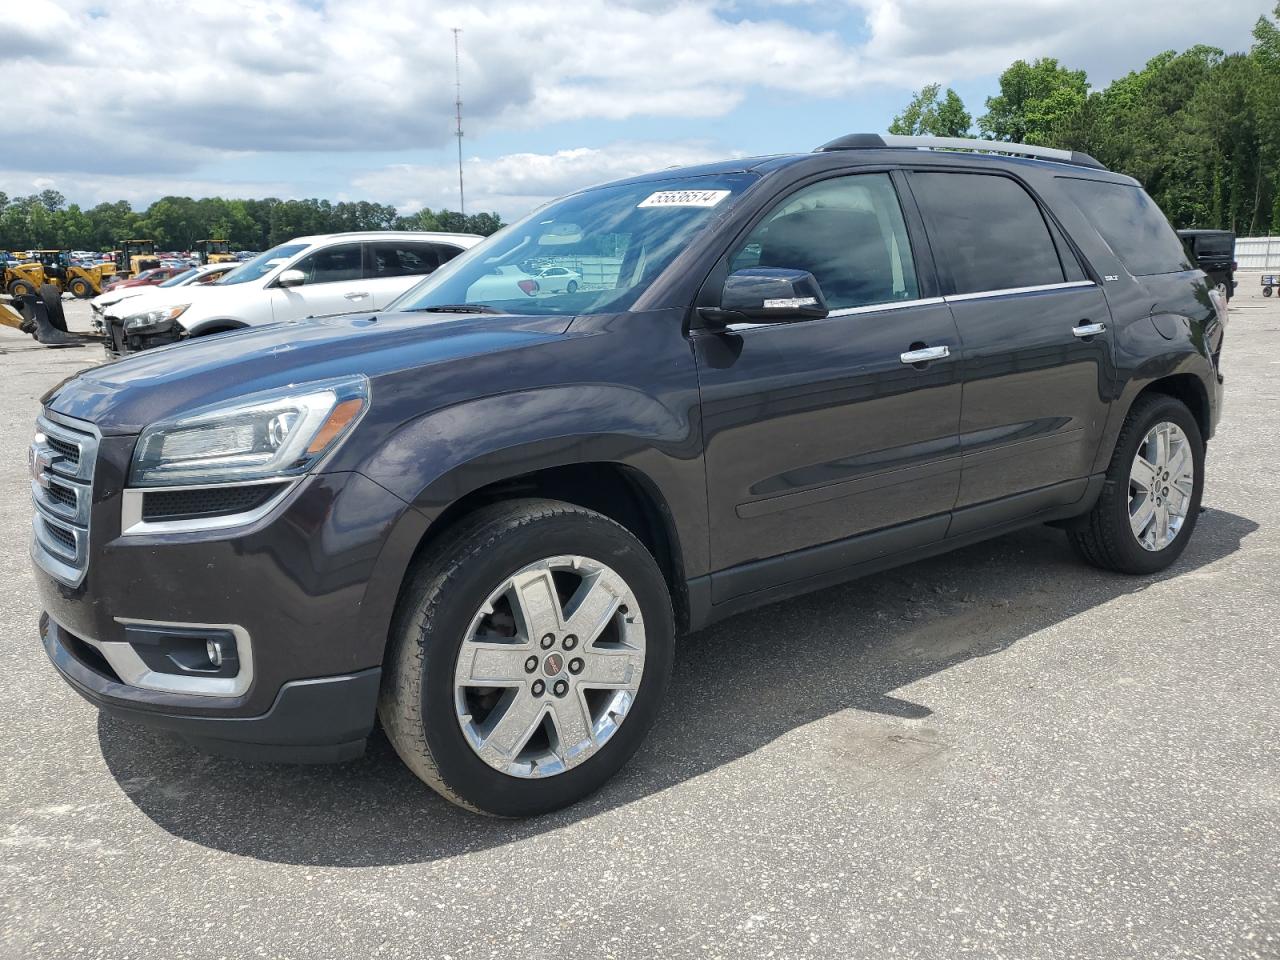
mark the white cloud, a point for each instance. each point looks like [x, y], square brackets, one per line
[135, 95]
[949, 41]
[148, 92]
[516, 183]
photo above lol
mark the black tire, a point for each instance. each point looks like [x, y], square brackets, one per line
[80, 288]
[441, 595]
[52, 298]
[1105, 539]
[1266, 291]
[572, 286]
[21, 288]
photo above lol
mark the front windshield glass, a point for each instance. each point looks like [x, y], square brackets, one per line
[179, 278]
[594, 252]
[261, 265]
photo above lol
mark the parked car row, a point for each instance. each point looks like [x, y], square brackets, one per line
[306, 277]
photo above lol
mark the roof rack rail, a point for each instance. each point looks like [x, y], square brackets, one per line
[876, 141]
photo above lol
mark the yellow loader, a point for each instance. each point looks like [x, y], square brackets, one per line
[214, 251]
[55, 267]
[134, 256]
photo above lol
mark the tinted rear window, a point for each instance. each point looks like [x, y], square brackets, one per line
[1132, 225]
[988, 230]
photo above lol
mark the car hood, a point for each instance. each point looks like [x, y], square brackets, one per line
[122, 398]
[115, 296]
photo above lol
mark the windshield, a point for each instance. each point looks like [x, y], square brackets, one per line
[261, 265]
[593, 252]
[177, 280]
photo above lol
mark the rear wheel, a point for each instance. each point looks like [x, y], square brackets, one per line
[1266, 291]
[1151, 498]
[529, 656]
[572, 286]
[21, 288]
[80, 288]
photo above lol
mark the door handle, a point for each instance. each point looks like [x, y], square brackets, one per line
[356, 295]
[925, 354]
[1089, 329]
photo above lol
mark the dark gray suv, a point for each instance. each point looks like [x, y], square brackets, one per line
[485, 513]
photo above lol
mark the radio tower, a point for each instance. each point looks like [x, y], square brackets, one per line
[457, 103]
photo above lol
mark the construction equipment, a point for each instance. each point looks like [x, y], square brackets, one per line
[23, 279]
[40, 314]
[134, 256]
[79, 281]
[54, 267]
[214, 251]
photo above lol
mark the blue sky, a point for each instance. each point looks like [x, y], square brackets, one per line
[354, 100]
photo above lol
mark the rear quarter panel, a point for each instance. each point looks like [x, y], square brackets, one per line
[1162, 326]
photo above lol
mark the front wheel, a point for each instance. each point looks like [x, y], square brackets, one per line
[529, 655]
[80, 289]
[572, 286]
[1151, 498]
[1266, 291]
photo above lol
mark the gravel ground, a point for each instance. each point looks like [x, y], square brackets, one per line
[999, 753]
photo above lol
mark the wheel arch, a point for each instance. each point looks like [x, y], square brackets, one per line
[1188, 388]
[1183, 376]
[616, 490]
[217, 325]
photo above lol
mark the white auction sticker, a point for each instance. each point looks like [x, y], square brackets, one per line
[684, 198]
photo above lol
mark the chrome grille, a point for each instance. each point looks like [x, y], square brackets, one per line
[62, 458]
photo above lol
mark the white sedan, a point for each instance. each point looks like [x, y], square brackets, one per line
[558, 280]
[102, 305]
[512, 283]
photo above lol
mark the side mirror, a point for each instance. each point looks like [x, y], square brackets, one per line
[768, 295]
[291, 278]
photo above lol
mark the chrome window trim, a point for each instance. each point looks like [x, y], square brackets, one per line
[1015, 291]
[132, 524]
[844, 312]
[131, 668]
[878, 307]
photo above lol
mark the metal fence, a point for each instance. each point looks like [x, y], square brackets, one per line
[1258, 253]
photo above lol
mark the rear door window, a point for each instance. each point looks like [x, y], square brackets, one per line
[987, 231]
[1132, 225]
[388, 258]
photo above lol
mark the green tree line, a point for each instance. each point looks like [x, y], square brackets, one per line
[1199, 129]
[46, 221]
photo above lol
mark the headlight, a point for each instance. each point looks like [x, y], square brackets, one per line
[154, 321]
[277, 434]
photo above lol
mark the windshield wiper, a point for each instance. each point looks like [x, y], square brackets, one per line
[457, 308]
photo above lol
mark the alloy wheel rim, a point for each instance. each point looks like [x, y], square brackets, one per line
[1161, 482]
[549, 667]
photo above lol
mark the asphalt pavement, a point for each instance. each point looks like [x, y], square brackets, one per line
[996, 753]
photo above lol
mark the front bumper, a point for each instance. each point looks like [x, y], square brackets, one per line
[309, 587]
[120, 344]
[320, 720]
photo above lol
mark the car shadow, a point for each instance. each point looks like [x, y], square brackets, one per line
[737, 686]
